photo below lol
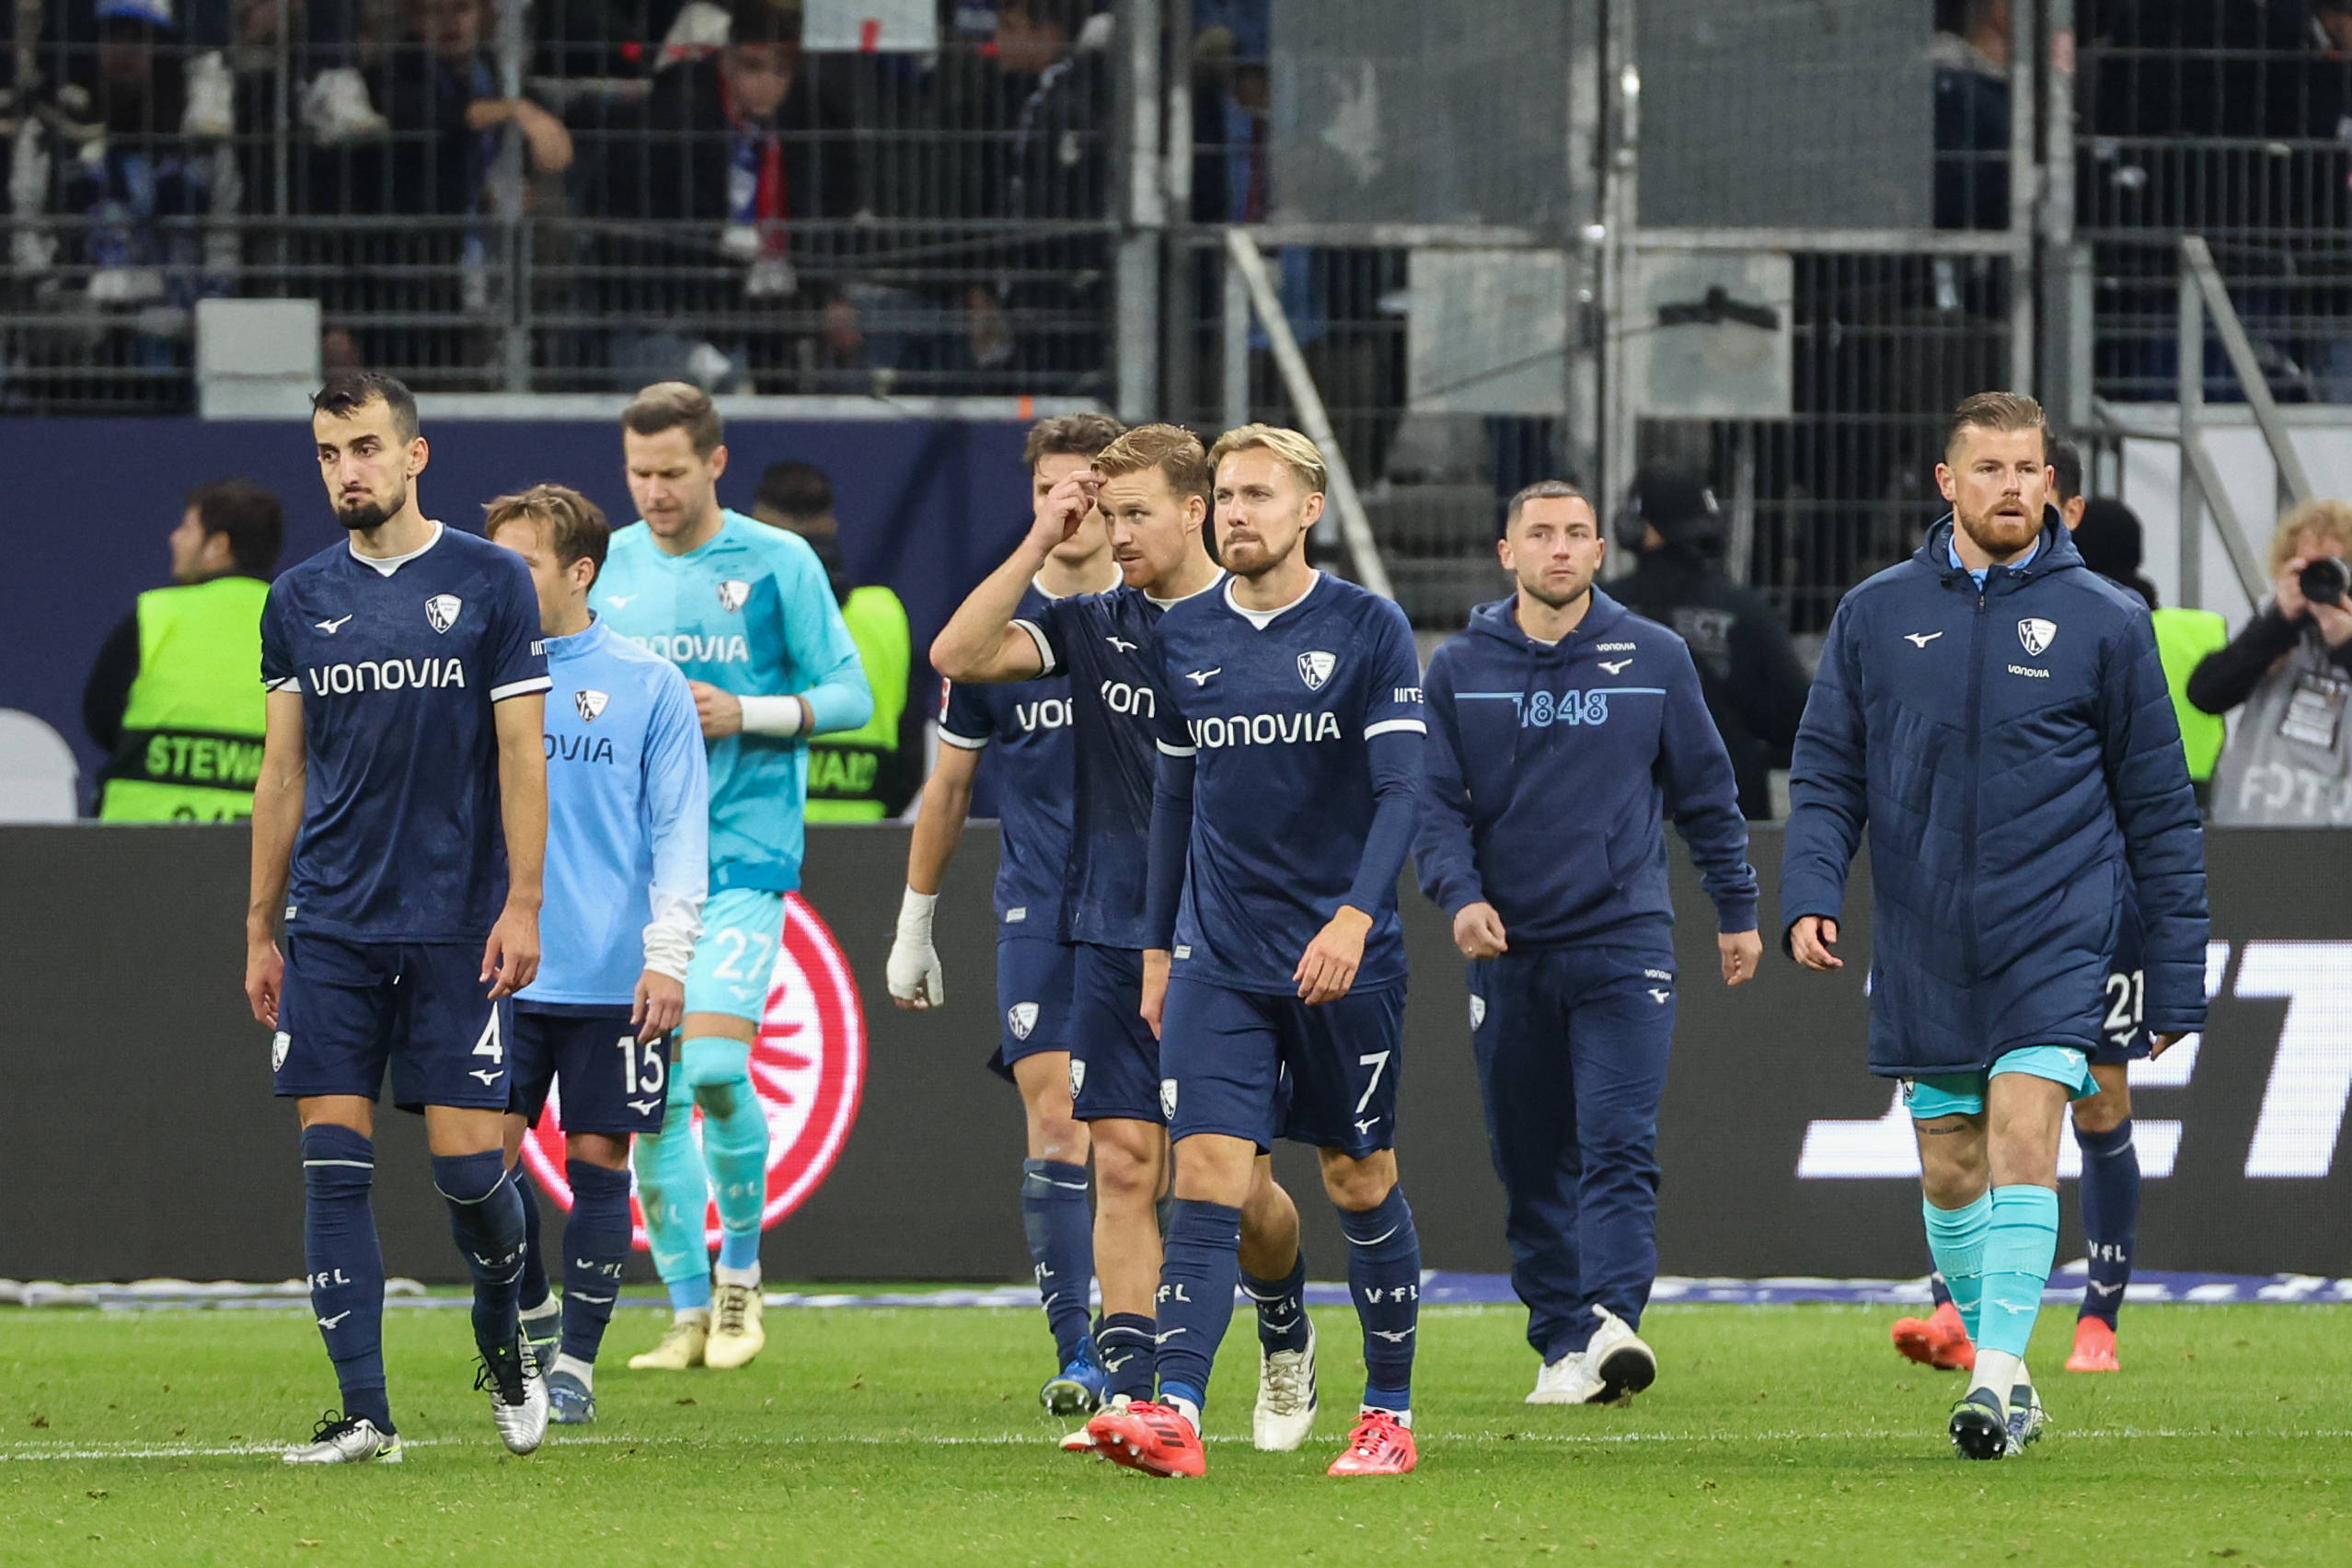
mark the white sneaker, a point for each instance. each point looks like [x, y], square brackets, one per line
[1568, 1380]
[211, 98]
[336, 108]
[736, 1335]
[1285, 1411]
[522, 1420]
[1622, 1365]
[345, 1440]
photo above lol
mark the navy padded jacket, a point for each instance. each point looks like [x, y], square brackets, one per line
[2014, 755]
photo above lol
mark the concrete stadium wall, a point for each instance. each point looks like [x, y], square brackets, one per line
[142, 1139]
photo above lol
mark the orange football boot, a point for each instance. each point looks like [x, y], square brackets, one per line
[1939, 1341]
[2094, 1347]
[1380, 1445]
[1148, 1438]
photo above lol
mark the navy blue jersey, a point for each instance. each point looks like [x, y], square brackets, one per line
[1279, 717]
[1028, 724]
[398, 671]
[1103, 643]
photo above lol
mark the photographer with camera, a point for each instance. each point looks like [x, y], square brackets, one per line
[2289, 761]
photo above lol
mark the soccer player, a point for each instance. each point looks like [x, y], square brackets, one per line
[1997, 717]
[746, 612]
[1557, 708]
[1288, 788]
[1030, 724]
[397, 827]
[628, 836]
[1152, 487]
[2109, 1188]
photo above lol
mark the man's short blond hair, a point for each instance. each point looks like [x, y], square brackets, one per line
[1295, 453]
[2330, 520]
[1999, 411]
[1173, 450]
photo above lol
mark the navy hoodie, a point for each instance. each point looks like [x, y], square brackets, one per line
[2013, 753]
[1552, 771]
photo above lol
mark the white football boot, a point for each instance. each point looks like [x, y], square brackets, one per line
[1285, 1411]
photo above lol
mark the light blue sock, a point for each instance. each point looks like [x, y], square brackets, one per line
[735, 1142]
[2019, 1249]
[671, 1191]
[1957, 1237]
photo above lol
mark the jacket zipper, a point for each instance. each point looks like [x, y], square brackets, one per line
[1968, 811]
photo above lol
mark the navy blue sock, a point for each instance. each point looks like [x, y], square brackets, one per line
[1124, 1341]
[2110, 1215]
[1384, 1276]
[1941, 1292]
[1060, 1227]
[486, 1216]
[1282, 1307]
[533, 1292]
[1199, 1267]
[346, 1266]
[596, 1245]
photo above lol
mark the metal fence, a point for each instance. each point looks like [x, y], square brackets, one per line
[484, 199]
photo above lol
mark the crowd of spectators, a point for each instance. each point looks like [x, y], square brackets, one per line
[700, 194]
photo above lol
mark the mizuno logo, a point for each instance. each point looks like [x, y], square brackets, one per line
[621, 601]
[1394, 1336]
[1615, 666]
[644, 1107]
[1363, 1129]
[1659, 997]
[1112, 1364]
[1921, 638]
[1121, 644]
[1201, 677]
[331, 627]
[329, 1324]
[2098, 1289]
[1165, 1335]
[488, 1075]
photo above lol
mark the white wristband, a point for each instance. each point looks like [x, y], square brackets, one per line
[914, 915]
[772, 715]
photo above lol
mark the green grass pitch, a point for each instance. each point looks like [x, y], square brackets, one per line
[1791, 1436]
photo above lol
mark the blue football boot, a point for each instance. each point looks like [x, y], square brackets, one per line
[1077, 1388]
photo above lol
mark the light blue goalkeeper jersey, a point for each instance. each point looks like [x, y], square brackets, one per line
[628, 833]
[750, 612]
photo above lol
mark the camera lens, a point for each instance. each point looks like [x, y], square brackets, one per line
[2326, 581]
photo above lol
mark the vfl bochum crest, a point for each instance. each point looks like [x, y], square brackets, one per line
[1316, 668]
[2036, 634]
[1020, 1018]
[732, 594]
[590, 703]
[441, 611]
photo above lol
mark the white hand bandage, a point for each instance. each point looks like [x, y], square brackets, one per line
[913, 972]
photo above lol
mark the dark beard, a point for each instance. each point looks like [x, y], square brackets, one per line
[1549, 602]
[369, 514]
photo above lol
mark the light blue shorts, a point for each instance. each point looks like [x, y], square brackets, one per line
[1963, 1094]
[742, 929]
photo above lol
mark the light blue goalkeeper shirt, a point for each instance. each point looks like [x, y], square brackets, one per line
[752, 613]
[628, 835]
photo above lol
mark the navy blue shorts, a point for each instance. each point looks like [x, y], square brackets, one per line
[351, 1009]
[2123, 1018]
[611, 1083]
[1223, 1053]
[1032, 999]
[1114, 1060]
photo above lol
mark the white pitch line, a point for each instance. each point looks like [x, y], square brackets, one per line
[1041, 1441]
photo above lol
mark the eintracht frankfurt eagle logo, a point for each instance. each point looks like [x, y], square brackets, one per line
[732, 594]
[1316, 668]
[2036, 634]
[590, 703]
[809, 1065]
[441, 611]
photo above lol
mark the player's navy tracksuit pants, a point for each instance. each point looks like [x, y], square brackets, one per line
[1571, 1046]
